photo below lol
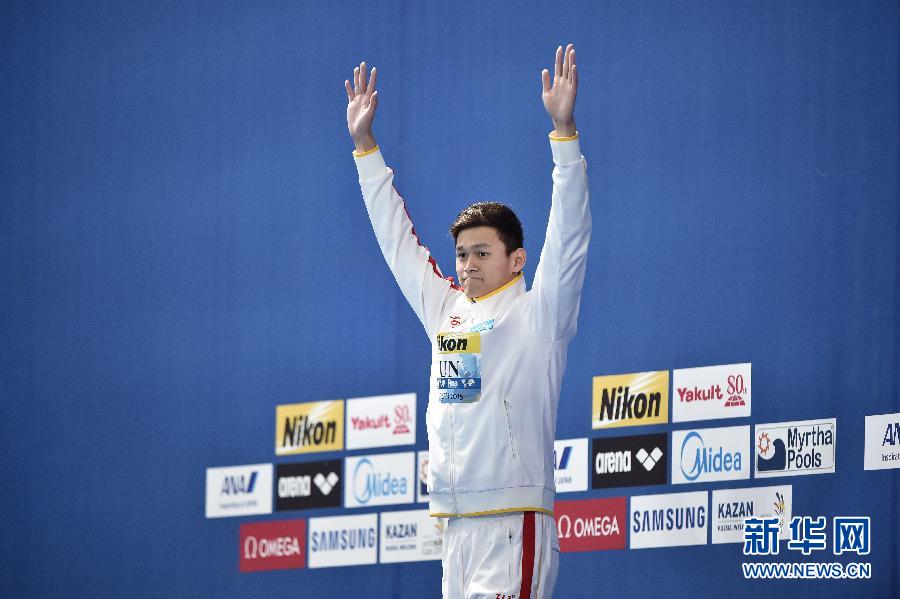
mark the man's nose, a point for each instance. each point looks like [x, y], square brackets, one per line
[470, 265]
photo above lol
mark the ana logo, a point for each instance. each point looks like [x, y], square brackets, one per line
[697, 459]
[891, 434]
[239, 485]
[401, 420]
[563, 461]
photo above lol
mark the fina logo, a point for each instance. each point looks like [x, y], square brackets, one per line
[706, 459]
[368, 484]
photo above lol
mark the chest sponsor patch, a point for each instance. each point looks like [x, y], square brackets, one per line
[459, 367]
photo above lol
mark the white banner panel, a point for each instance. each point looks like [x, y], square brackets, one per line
[343, 541]
[381, 421]
[731, 506]
[570, 465]
[669, 520]
[710, 454]
[422, 476]
[239, 490]
[711, 392]
[410, 536]
[793, 448]
[882, 442]
[383, 479]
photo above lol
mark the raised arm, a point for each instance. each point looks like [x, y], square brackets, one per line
[559, 276]
[416, 272]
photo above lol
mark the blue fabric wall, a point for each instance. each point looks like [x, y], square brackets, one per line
[183, 247]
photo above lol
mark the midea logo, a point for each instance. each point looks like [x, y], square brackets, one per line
[367, 483]
[705, 459]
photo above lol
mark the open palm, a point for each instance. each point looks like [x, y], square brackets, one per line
[559, 96]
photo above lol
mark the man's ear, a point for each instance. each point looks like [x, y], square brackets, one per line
[518, 260]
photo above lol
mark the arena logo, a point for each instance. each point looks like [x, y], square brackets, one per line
[309, 427]
[380, 479]
[794, 448]
[343, 540]
[630, 399]
[882, 442]
[308, 485]
[668, 520]
[275, 545]
[629, 461]
[732, 506]
[381, 421]
[238, 490]
[711, 392]
[570, 465]
[712, 454]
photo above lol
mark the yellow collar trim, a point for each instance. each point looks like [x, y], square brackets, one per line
[497, 290]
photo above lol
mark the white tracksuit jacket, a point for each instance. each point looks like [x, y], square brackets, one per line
[498, 360]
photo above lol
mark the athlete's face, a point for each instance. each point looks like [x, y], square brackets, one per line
[482, 264]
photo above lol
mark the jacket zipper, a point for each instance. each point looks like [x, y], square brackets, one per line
[512, 441]
[452, 465]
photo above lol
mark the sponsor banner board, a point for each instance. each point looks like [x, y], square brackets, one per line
[711, 392]
[630, 399]
[422, 476]
[275, 545]
[629, 461]
[591, 524]
[239, 490]
[731, 506]
[309, 485]
[343, 541]
[410, 536]
[381, 421]
[795, 448]
[710, 454]
[309, 427]
[882, 442]
[669, 520]
[381, 479]
[570, 466]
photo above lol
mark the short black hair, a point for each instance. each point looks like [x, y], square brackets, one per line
[492, 214]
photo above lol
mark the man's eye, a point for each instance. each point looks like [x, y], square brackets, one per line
[460, 256]
[482, 254]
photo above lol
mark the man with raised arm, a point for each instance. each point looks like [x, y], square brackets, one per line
[498, 353]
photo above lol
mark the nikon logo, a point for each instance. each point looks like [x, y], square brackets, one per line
[446, 344]
[308, 427]
[631, 399]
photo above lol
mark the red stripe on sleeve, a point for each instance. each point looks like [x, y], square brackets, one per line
[527, 555]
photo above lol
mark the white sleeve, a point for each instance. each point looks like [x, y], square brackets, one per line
[559, 276]
[415, 270]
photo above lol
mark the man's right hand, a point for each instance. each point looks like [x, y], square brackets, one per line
[362, 99]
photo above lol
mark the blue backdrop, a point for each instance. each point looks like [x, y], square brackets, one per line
[183, 247]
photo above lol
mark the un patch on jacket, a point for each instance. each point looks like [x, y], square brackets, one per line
[459, 367]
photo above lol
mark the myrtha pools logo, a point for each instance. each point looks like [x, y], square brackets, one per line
[803, 447]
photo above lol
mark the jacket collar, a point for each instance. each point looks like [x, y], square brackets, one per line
[501, 297]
